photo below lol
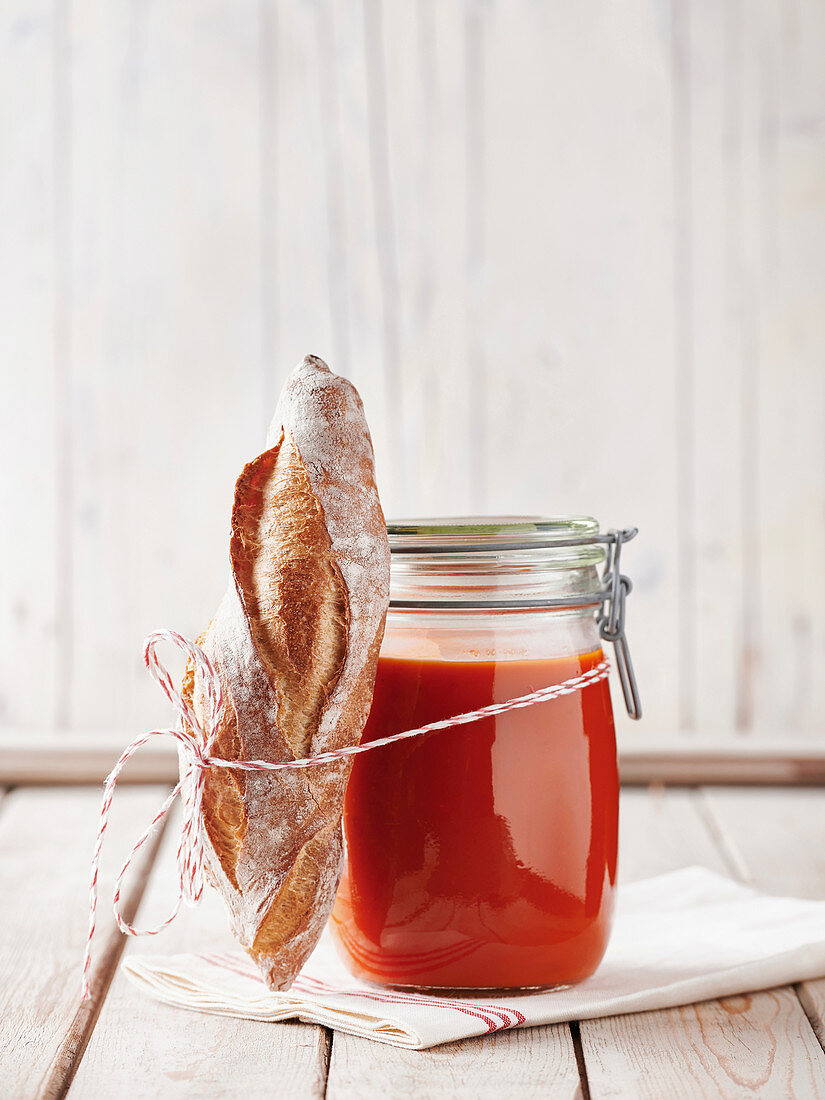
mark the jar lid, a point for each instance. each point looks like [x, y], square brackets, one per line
[516, 562]
[577, 537]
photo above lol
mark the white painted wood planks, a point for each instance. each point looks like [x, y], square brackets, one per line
[34, 408]
[46, 839]
[571, 257]
[535, 1062]
[166, 337]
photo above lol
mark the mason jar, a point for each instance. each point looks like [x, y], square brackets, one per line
[483, 856]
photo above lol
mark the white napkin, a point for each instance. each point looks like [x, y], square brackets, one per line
[687, 936]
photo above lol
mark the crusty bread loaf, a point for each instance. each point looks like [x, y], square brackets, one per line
[295, 642]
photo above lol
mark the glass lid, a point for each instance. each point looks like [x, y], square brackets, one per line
[479, 534]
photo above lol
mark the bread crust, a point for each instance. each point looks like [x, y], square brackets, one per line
[295, 642]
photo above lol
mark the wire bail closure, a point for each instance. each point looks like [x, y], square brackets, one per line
[611, 619]
[611, 598]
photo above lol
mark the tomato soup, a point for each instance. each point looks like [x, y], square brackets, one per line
[483, 856]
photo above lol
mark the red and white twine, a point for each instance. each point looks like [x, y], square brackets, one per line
[195, 740]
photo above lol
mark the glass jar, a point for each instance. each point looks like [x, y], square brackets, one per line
[483, 857]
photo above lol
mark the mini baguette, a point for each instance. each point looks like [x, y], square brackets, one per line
[295, 642]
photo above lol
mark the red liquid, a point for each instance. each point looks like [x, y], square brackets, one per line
[482, 856]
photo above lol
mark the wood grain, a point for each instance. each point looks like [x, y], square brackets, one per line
[50, 758]
[678, 760]
[535, 1062]
[788, 91]
[760, 1044]
[756, 1045]
[752, 77]
[434, 189]
[295, 196]
[166, 355]
[579, 215]
[718, 687]
[33, 416]
[662, 829]
[46, 839]
[777, 840]
[88, 757]
[144, 1049]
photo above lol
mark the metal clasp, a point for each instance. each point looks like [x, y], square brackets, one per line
[612, 616]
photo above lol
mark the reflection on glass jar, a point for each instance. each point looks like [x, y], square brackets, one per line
[484, 856]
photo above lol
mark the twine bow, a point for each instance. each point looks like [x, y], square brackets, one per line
[195, 740]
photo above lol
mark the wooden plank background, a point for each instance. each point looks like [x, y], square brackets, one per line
[573, 256]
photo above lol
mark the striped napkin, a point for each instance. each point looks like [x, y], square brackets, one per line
[691, 935]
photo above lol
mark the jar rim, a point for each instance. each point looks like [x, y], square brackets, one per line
[472, 534]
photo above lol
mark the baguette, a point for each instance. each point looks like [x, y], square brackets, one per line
[295, 643]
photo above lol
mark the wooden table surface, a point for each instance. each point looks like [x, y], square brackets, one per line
[120, 1044]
